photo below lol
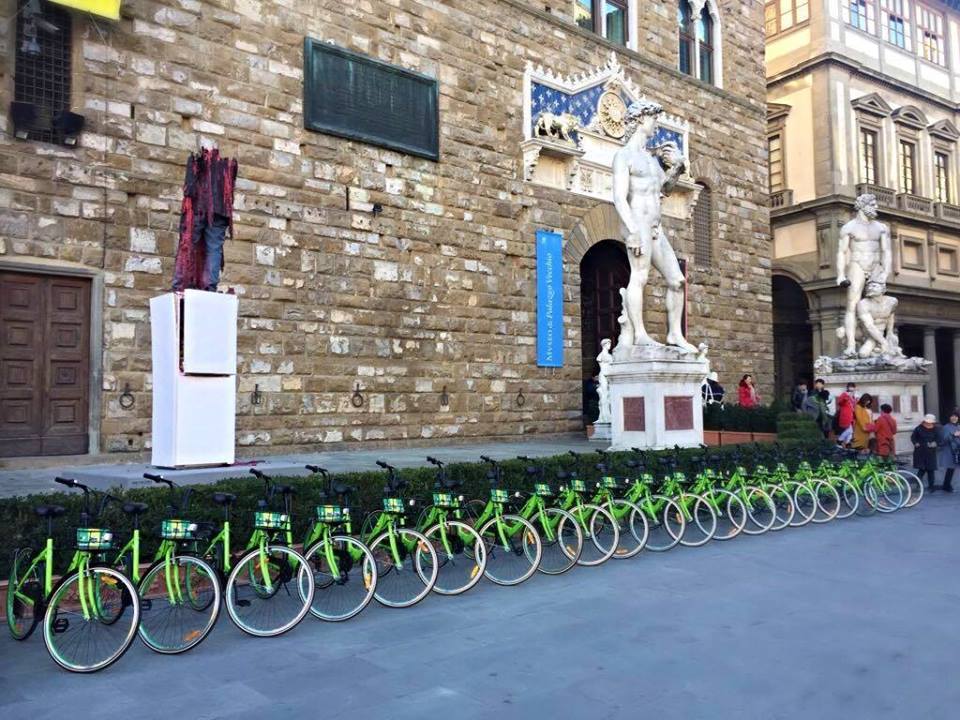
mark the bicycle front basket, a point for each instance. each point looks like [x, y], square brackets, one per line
[543, 490]
[178, 530]
[578, 486]
[446, 500]
[393, 505]
[94, 539]
[499, 496]
[610, 482]
[267, 520]
[329, 513]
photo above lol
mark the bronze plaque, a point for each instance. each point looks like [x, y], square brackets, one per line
[678, 412]
[634, 414]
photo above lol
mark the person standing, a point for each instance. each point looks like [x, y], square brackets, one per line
[863, 425]
[844, 418]
[949, 455]
[886, 432]
[816, 407]
[800, 394]
[926, 439]
[747, 394]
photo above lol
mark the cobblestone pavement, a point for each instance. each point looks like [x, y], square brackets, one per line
[856, 619]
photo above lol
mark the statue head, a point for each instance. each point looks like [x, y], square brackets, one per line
[875, 288]
[866, 204]
[642, 114]
[605, 344]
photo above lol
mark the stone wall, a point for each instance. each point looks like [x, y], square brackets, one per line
[436, 291]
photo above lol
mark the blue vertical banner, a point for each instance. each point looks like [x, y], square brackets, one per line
[549, 299]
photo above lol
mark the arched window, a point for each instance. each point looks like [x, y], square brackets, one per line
[705, 45]
[686, 37]
[703, 227]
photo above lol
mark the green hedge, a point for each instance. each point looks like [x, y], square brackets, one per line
[794, 426]
[720, 416]
[23, 528]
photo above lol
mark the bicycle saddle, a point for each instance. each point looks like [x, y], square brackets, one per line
[135, 508]
[50, 511]
[343, 489]
[224, 498]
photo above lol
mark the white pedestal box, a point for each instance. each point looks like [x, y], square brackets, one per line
[903, 391]
[656, 402]
[194, 348]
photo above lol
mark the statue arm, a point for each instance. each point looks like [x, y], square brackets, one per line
[675, 166]
[843, 250]
[621, 191]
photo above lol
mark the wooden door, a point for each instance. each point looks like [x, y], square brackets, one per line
[44, 364]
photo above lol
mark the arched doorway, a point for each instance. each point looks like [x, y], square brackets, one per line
[792, 336]
[604, 269]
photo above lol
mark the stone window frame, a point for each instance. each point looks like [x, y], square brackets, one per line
[774, 10]
[902, 10]
[778, 135]
[909, 122]
[861, 15]
[942, 183]
[924, 14]
[954, 252]
[777, 127]
[943, 138]
[871, 112]
[697, 8]
[598, 19]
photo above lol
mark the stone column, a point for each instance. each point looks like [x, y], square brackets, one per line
[932, 392]
[956, 368]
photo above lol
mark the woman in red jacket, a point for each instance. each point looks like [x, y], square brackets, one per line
[747, 392]
[886, 432]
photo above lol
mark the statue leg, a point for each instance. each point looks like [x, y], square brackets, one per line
[857, 278]
[633, 297]
[665, 260]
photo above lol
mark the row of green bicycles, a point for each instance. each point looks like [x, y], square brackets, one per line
[405, 550]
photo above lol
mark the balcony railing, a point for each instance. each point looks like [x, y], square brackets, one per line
[885, 196]
[915, 203]
[946, 211]
[781, 198]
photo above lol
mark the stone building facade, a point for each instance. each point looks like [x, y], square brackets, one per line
[865, 97]
[356, 266]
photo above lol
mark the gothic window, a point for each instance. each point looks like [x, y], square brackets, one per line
[698, 40]
[607, 18]
[705, 45]
[703, 227]
[685, 36]
[42, 65]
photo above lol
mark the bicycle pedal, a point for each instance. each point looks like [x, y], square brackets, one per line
[146, 604]
[60, 626]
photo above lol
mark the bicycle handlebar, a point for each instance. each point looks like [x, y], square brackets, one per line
[317, 469]
[434, 461]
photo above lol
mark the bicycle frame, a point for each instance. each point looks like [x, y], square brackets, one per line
[45, 556]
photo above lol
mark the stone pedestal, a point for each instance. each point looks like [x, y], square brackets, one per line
[601, 433]
[655, 398]
[901, 390]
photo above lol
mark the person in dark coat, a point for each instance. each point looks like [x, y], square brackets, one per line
[926, 439]
[949, 455]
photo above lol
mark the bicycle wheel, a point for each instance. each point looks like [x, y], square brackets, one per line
[868, 499]
[406, 567]
[461, 556]
[665, 523]
[761, 511]
[73, 632]
[344, 575]
[631, 526]
[731, 514]
[849, 496]
[601, 534]
[891, 492]
[915, 487]
[24, 595]
[513, 549]
[265, 593]
[828, 502]
[805, 502]
[561, 539]
[783, 504]
[701, 520]
[179, 604]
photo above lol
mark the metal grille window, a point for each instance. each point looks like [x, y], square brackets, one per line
[908, 152]
[775, 165]
[42, 66]
[703, 227]
[868, 156]
[930, 35]
[942, 170]
[895, 22]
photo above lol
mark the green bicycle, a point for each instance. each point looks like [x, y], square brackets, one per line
[666, 522]
[632, 527]
[82, 612]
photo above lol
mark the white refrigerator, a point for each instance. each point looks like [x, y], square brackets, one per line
[194, 336]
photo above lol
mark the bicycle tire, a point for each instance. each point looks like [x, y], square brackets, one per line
[914, 486]
[734, 517]
[596, 552]
[849, 496]
[152, 626]
[358, 588]
[558, 555]
[278, 591]
[473, 554]
[631, 539]
[783, 502]
[59, 614]
[805, 503]
[31, 611]
[663, 531]
[703, 517]
[761, 511]
[390, 578]
[888, 499]
[828, 502]
[501, 560]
